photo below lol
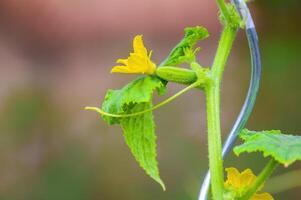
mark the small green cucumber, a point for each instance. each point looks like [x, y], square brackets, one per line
[176, 74]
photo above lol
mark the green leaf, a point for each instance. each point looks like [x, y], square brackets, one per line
[138, 91]
[139, 130]
[285, 149]
[182, 52]
[139, 135]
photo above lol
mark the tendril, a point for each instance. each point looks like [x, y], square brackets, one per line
[168, 100]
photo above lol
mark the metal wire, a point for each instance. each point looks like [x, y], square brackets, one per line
[248, 105]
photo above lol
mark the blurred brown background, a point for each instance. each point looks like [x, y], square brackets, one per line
[55, 58]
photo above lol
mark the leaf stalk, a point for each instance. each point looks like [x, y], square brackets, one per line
[263, 176]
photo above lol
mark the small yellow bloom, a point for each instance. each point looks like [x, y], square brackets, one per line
[139, 62]
[239, 183]
[238, 180]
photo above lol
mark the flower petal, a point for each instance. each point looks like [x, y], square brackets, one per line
[138, 45]
[263, 196]
[247, 177]
[233, 178]
[122, 61]
[121, 69]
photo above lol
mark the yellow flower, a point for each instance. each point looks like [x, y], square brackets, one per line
[239, 182]
[139, 62]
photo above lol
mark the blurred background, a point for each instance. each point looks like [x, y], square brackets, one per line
[55, 58]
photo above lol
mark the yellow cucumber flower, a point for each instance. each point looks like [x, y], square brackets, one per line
[139, 62]
[239, 182]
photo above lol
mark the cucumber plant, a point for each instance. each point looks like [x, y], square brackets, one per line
[131, 108]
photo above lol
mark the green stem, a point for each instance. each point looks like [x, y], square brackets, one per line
[224, 10]
[213, 112]
[214, 142]
[263, 176]
[223, 51]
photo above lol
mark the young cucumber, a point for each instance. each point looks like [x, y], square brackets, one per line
[176, 74]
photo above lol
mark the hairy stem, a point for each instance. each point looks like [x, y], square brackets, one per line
[263, 176]
[214, 142]
[224, 10]
[213, 112]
